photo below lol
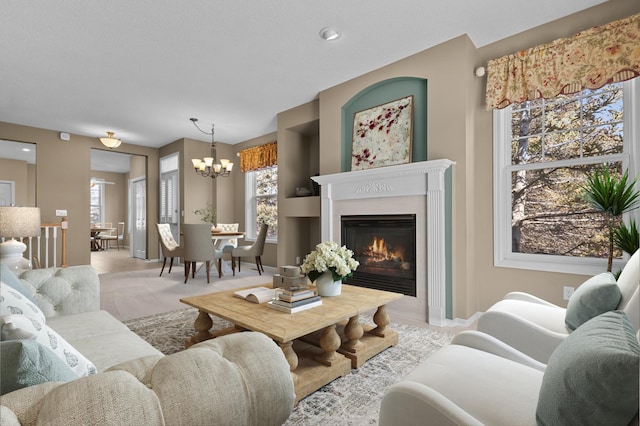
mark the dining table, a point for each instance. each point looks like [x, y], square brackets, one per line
[95, 232]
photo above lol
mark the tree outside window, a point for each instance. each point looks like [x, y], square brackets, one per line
[548, 147]
[96, 194]
[262, 201]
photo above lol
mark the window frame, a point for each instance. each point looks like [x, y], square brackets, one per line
[503, 255]
[251, 232]
[101, 205]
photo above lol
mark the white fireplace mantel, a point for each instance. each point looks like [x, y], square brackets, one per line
[421, 179]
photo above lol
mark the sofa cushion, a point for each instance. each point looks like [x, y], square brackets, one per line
[26, 363]
[14, 302]
[8, 277]
[592, 377]
[47, 337]
[101, 338]
[597, 295]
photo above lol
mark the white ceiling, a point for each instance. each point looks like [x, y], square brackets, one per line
[142, 68]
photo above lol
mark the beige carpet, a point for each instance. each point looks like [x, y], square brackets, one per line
[350, 400]
[129, 295]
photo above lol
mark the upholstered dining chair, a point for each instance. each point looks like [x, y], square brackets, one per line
[255, 249]
[170, 248]
[198, 247]
[227, 245]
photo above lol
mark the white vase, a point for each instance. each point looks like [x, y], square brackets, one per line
[326, 286]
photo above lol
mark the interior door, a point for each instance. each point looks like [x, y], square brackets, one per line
[138, 233]
[7, 193]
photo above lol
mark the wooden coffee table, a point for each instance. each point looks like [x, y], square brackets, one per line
[320, 344]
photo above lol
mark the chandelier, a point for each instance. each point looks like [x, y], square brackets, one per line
[110, 141]
[205, 167]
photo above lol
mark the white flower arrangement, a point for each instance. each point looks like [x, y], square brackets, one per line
[328, 256]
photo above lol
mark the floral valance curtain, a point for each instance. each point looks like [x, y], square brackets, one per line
[588, 60]
[259, 157]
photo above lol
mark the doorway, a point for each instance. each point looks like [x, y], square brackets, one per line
[122, 180]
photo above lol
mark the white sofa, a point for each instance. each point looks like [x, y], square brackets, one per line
[237, 379]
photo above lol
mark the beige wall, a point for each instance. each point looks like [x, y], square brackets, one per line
[18, 172]
[460, 129]
[62, 182]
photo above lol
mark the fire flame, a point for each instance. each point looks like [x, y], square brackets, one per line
[378, 251]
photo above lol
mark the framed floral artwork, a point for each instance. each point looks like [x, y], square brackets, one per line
[382, 135]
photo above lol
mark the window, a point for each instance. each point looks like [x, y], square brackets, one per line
[97, 200]
[262, 202]
[543, 149]
[169, 196]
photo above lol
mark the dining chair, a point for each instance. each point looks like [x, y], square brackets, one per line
[170, 248]
[199, 247]
[104, 238]
[120, 235]
[227, 245]
[256, 249]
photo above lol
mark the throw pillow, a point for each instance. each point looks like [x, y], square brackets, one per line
[26, 363]
[8, 277]
[592, 376]
[14, 302]
[46, 336]
[597, 295]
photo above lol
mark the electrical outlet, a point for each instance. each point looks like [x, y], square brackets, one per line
[297, 260]
[567, 292]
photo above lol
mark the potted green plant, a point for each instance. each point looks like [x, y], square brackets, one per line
[612, 195]
[207, 214]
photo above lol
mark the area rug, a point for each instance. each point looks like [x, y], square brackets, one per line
[350, 400]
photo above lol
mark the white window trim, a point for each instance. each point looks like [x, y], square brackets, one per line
[502, 254]
[251, 233]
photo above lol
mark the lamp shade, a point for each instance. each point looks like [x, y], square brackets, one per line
[19, 222]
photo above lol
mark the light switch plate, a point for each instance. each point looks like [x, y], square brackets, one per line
[61, 213]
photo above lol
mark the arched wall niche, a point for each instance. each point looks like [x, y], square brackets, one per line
[381, 93]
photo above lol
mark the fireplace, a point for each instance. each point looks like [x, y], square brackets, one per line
[385, 246]
[419, 189]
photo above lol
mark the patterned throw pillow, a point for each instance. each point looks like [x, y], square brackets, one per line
[17, 325]
[13, 302]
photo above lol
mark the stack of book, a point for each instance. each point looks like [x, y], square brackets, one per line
[295, 300]
[292, 293]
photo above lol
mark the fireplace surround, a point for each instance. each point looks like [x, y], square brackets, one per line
[421, 189]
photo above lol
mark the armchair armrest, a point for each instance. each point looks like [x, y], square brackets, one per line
[526, 297]
[418, 404]
[484, 342]
[521, 334]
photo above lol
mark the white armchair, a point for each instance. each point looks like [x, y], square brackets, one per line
[591, 378]
[536, 327]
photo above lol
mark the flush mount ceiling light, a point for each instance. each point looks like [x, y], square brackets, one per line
[110, 141]
[329, 33]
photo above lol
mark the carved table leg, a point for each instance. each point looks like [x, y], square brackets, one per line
[329, 342]
[382, 320]
[353, 332]
[202, 325]
[289, 354]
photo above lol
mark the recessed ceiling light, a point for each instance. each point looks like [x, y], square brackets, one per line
[329, 33]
